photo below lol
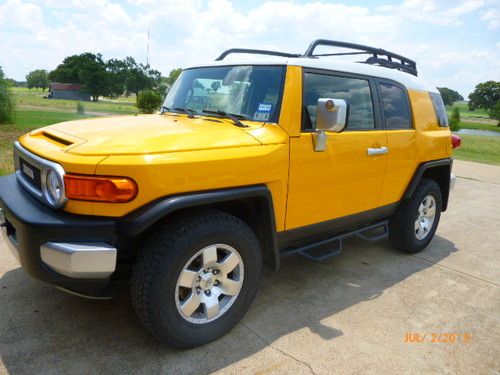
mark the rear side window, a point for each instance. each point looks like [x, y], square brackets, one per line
[355, 91]
[396, 107]
[439, 109]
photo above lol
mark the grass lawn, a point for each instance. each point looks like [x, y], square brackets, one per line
[464, 110]
[479, 126]
[32, 118]
[479, 149]
[27, 98]
[26, 120]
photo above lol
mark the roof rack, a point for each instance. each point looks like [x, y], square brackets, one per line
[255, 52]
[404, 64]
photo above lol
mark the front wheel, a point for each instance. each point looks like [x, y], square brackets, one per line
[196, 278]
[414, 223]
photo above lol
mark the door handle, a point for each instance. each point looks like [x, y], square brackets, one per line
[377, 151]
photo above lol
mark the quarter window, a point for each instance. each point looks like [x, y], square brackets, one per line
[395, 106]
[439, 109]
[355, 91]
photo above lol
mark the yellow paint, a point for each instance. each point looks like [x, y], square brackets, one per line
[171, 154]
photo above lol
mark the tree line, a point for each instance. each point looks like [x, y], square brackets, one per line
[111, 78]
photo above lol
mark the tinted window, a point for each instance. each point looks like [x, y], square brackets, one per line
[395, 106]
[439, 109]
[253, 92]
[356, 92]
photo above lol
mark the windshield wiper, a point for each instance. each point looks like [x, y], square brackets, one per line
[230, 116]
[189, 112]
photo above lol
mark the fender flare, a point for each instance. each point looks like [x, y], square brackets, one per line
[144, 217]
[422, 168]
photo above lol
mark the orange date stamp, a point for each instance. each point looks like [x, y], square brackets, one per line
[441, 338]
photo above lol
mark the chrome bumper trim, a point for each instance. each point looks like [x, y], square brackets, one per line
[453, 181]
[80, 260]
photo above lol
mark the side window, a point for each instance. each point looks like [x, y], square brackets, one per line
[396, 107]
[439, 109]
[355, 91]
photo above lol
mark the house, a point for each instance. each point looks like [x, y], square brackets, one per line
[68, 91]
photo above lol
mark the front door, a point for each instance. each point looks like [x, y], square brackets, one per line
[347, 177]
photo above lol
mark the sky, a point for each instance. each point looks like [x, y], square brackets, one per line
[456, 43]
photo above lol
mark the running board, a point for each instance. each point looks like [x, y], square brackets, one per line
[334, 245]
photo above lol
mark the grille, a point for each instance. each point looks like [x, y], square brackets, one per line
[31, 174]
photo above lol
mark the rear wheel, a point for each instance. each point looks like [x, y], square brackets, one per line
[414, 224]
[196, 279]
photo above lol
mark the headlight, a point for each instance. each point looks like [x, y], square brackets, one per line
[54, 188]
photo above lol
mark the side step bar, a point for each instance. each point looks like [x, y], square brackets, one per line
[332, 246]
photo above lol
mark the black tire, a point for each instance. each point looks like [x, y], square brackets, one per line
[157, 268]
[402, 232]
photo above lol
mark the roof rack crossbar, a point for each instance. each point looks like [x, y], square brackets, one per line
[255, 52]
[407, 65]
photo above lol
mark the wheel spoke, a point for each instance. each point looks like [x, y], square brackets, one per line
[417, 225]
[431, 211]
[229, 263]
[230, 287]
[187, 278]
[191, 304]
[209, 255]
[211, 307]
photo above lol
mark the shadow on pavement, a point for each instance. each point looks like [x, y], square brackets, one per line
[45, 330]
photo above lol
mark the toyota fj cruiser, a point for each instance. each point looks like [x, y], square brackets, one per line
[248, 161]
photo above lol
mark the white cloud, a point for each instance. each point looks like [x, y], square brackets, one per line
[492, 17]
[39, 34]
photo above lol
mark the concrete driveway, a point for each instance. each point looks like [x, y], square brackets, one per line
[347, 315]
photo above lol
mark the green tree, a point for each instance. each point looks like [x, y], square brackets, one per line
[6, 101]
[486, 96]
[449, 96]
[87, 69]
[38, 79]
[495, 113]
[454, 119]
[149, 101]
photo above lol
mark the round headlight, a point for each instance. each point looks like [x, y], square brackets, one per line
[54, 187]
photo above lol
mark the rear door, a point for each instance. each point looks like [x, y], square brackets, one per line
[401, 139]
[347, 177]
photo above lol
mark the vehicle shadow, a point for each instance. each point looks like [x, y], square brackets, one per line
[43, 330]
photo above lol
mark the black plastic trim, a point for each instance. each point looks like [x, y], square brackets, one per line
[141, 219]
[314, 233]
[422, 168]
[32, 223]
[255, 52]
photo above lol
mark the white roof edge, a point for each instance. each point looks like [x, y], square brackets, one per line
[408, 80]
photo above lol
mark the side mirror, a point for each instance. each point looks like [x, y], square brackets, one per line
[331, 115]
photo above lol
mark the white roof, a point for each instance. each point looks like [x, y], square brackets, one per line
[328, 63]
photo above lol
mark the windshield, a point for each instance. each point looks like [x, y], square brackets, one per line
[249, 92]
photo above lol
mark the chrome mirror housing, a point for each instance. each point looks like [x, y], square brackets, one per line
[331, 115]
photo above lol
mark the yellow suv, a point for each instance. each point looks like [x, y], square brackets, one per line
[249, 160]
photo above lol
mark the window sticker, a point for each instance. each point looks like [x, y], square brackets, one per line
[263, 112]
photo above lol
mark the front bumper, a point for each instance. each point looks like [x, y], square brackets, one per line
[73, 252]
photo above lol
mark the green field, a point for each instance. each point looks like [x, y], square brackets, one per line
[464, 110]
[479, 126]
[26, 98]
[479, 148]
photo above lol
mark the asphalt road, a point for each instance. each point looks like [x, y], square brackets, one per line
[347, 315]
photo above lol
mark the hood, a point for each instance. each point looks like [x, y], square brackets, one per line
[146, 134]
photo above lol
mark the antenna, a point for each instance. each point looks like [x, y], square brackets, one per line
[147, 53]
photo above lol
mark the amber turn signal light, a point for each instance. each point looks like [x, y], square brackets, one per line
[100, 189]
